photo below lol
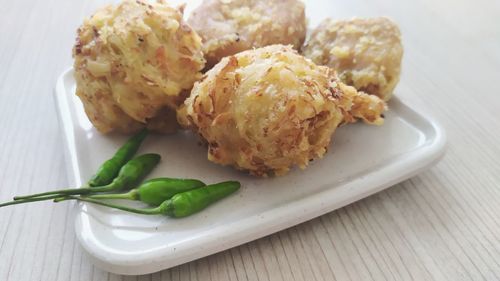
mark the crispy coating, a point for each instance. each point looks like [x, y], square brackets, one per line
[133, 61]
[231, 26]
[366, 53]
[267, 109]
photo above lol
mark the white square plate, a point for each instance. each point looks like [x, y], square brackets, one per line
[362, 160]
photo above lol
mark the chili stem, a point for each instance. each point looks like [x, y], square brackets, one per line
[149, 211]
[29, 200]
[62, 192]
[60, 199]
[128, 196]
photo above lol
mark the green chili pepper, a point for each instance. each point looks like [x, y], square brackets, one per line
[110, 169]
[190, 202]
[152, 192]
[180, 205]
[129, 176]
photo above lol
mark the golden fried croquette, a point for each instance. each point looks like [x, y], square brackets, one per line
[231, 26]
[267, 109]
[132, 62]
[100, 107]
[366, 53]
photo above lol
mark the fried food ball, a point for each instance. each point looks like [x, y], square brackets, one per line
[267, 109]
[231, 26]
[134, 61]
[366, 53]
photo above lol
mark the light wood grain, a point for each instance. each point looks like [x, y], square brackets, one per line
[440, 225]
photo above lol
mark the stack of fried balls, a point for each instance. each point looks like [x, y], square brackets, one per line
[239, 74]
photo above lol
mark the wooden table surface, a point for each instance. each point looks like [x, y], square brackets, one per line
[443, 224]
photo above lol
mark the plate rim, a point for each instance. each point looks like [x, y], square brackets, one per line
[269, 221]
